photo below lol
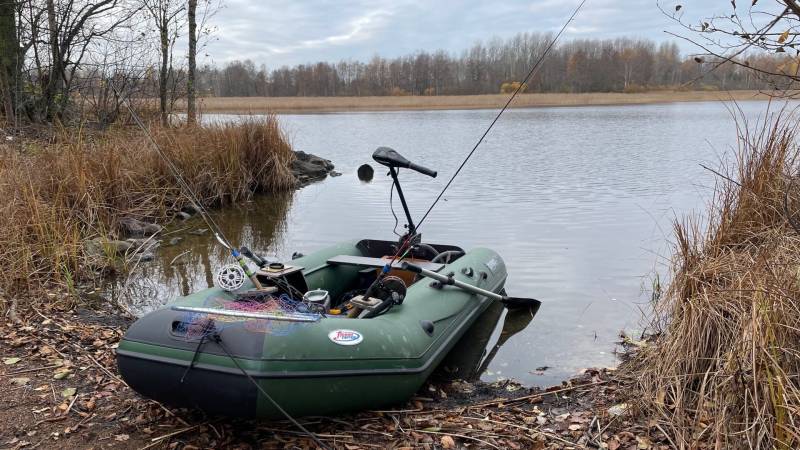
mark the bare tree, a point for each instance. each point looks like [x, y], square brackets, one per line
[9, 57]
[739, 36]
[167, 17]
[191, 112]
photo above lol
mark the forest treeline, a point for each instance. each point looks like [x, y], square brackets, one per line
[585, 65]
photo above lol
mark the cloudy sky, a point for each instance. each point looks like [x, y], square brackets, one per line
[288, 32]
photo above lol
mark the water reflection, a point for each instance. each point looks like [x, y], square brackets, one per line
[189, 254]
[471, 356]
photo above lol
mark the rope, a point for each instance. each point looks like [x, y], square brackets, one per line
[513, 96]
[218, 339]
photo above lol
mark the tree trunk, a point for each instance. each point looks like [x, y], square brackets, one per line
[56, 68]
[9, 59]
[164, 70]
[191, 112]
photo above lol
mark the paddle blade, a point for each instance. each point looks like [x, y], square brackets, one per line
[520, 302]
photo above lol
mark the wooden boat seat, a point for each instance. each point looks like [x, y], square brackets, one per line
[377, 263]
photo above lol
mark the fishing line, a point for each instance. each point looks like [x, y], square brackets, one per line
[218, 339]
[188, 191]
[514, 95]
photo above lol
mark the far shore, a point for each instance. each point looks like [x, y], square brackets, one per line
[246, 105]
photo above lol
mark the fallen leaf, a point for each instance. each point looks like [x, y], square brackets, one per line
[61, 374]
[575, 427]
[68, 392]
[448, 442]
[10, 361]
[21, 381]
[618, 410]
[121, 437]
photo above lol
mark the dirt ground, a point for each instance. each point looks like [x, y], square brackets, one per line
[61, 389]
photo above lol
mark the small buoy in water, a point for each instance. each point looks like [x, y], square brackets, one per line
[365, 173]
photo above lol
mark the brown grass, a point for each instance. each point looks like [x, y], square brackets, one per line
[244, 105]
[57, 194]
[723, 372]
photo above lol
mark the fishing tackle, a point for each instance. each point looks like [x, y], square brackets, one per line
[212, 225]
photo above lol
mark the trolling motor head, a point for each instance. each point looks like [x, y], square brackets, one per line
[393, 160]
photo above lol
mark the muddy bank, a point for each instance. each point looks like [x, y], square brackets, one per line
[61, 389]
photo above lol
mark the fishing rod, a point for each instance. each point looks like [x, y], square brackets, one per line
[533, 70]
[192, 196]
[236, 253]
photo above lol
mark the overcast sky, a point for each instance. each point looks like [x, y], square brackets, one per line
[289, 32]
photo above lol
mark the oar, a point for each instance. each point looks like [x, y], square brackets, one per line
[510, 302]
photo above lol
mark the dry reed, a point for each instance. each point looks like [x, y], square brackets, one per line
[244, 105]
[77, 186]
[722, 372]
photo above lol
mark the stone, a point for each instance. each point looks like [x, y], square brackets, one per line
[104, 248]
[335, 173]
[136, 228]
[190, 209]
[175, 241]
[183, 215]
[307, 167]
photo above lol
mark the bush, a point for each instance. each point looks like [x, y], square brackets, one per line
[723, 369]
[58, 194]
[507, 88]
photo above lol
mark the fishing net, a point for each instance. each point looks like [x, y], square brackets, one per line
[285, 315]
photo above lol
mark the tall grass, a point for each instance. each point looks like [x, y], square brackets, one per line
[723, 372]
[58, 193]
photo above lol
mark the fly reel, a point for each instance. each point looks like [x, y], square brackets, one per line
[231, 278]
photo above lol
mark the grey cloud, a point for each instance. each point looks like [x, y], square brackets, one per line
[283, 32]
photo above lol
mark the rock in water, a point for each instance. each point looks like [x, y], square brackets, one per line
[307, 167]
[136, 228]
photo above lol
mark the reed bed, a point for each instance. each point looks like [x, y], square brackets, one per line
[78, 185]
[722, 371]
[245, 105]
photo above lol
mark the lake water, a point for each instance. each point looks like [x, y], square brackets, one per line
[578, 200]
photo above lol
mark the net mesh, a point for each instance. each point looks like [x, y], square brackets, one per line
[285, 310]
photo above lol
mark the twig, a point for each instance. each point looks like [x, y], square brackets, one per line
[720, 175]
[508, 401]
[34, 369]
[108, 372]
[530, 430]
[157, 440]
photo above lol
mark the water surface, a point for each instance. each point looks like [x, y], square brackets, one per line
[578, 201]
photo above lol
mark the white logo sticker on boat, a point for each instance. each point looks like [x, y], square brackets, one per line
[492, 264]
[345, 337]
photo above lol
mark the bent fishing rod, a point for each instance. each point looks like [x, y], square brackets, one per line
[192, 196]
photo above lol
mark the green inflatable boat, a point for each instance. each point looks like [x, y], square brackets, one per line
[359, 325]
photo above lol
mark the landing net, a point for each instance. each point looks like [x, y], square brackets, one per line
[218, 313]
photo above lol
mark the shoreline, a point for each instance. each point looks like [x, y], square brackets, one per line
[300, 105]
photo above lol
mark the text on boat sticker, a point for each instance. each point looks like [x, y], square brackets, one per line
[345, 337]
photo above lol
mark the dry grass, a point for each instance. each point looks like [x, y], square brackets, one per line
[77, 186]
[244, 105]
[723, 372]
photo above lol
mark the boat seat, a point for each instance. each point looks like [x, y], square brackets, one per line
[377, 263]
